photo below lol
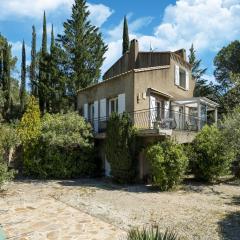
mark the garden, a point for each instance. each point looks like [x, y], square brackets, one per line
[61, 146]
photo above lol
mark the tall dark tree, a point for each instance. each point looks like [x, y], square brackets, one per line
[85, 49]
[202, 87]
[43, 77]
[6, 85]
[33, 66]
[22, 93]
[227, 62]
[125, 36]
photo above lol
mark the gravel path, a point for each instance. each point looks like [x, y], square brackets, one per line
[194, 211]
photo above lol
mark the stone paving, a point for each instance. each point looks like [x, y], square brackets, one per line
[29, 212]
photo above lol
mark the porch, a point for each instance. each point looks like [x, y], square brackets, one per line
[188, 115]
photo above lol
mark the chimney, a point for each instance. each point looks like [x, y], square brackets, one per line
[182, 54]
[133, 54]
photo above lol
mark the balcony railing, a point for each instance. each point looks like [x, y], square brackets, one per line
[157, 119]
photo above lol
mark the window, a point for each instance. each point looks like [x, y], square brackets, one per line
[113, 105]
[182, 78]
[91, 112]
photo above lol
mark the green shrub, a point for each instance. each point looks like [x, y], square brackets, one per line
[119, 148]
[5, 174]
[211, 156]
[8, 140]
[168, 163]
[230, 128]
[151, 234]
[64, 148]
[30, 126]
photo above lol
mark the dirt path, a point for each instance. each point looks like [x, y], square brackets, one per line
[91, 209]
[28, 211]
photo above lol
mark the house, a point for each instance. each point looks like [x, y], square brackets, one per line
[156, 89]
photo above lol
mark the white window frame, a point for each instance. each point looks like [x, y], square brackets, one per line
[115, 100]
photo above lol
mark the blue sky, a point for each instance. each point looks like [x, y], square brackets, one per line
[163, 24]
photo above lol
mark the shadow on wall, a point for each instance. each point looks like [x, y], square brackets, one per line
[230, 226]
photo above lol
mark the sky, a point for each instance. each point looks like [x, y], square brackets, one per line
[162, 24]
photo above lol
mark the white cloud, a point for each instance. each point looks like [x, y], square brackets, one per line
[34, 9]
[99, 13]
[208, 24]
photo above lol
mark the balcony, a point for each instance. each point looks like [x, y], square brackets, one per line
[156, 121]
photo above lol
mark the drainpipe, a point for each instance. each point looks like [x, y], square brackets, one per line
[216, 115]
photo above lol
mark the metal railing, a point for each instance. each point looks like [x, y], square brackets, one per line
[156, 119]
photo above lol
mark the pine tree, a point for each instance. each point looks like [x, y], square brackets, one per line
[42, 68]
[33, 66]
[202, 87]
[85, 50]
[22, 93]
[125, 36]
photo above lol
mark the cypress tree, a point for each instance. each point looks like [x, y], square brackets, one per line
[52, 41]
[85, 49]
[42, 68]
[33, 77]
[6, 86]
[22, 94]
[44, 36]
[125, 36]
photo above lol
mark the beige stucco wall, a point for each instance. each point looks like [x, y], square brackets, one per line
[161, 80]
[109, 89]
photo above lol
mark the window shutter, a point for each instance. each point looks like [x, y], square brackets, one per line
[96, 116]
[103, 108]
[167, 109]
[85, 111]
[177, 80]
[152, 115]
[121, 103]
[187, 80]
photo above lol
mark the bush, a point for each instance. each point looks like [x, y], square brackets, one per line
[211, 156]
[64, 148]
[119, 148]
[9, 140]
[151, 234]
[5, 174]
[231, 133]
[168, 163]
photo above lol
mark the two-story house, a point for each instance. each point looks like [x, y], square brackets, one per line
[156, 89]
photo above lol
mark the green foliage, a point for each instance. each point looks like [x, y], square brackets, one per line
[202, 87]
[5, 174]
[43, 73]
[211, 156]
[33, 66]
[64, 148]
[151, 234]
[231, 134]
[227, 62]
[168, 163]
[119, 147]
[8, 139]
[9, 90]
[22, 92]
[85, 50]
[125, 36]
[30, 126]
